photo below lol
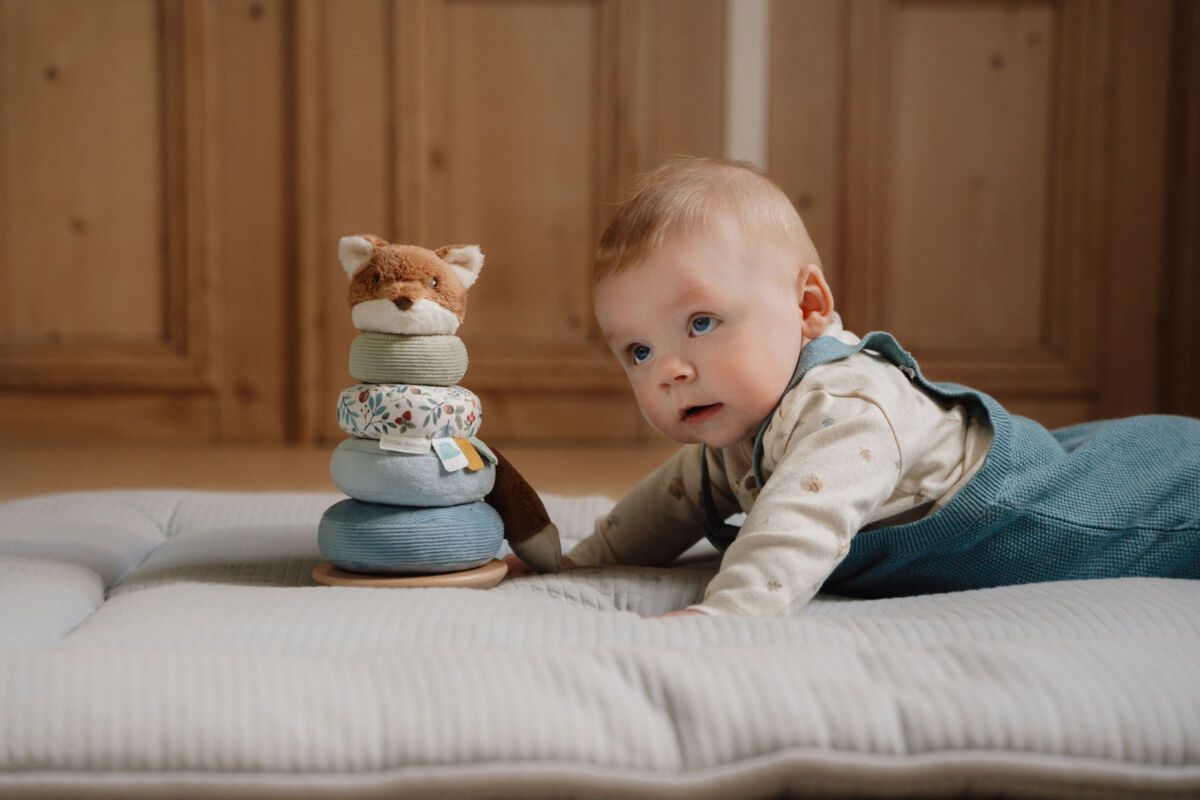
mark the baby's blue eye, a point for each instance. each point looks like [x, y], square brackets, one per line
[639, 353]
[703, 325]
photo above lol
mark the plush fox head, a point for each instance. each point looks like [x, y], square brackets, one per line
[402, 288]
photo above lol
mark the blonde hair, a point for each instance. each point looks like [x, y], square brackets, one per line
[686, 194]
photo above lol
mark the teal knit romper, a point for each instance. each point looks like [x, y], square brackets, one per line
[1109, 499]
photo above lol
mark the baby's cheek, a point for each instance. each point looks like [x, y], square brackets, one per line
[650, 410]
[645, 406]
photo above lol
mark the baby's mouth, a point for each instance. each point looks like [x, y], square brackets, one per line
[693, 415]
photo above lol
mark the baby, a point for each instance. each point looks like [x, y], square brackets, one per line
[855, 473]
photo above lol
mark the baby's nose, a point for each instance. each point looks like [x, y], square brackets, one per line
[675, 371]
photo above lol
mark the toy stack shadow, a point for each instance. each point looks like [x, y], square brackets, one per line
[415, 471]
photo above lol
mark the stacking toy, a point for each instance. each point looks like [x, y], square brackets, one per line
[429, 501]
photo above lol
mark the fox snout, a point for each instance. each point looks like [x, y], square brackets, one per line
[408, 293]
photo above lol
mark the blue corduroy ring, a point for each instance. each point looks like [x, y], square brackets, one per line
[390, 540]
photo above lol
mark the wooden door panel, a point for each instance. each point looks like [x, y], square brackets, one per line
[98, 270]
[980, 221]
[968, 169]
[82, 173]
[145, 196]
[991, 181]
[514, 152]
[961, 172]
[516, 126]
[517, 171]
[807, 129]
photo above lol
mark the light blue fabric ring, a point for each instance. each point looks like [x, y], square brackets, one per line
[363, 470]
[387, 540]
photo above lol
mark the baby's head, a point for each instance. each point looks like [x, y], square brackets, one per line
[707, 286]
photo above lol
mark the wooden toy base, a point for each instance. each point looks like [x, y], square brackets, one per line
[483, 577]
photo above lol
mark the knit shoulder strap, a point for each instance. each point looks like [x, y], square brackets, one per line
[825, 349]
[817, 352]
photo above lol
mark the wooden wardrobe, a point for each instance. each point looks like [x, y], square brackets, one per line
[1009, 187]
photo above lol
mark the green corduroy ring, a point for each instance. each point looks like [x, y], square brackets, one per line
[393, 358]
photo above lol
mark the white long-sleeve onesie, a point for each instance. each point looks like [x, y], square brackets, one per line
[854, 445]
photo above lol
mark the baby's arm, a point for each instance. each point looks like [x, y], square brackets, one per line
[839, 464]
[659, 518]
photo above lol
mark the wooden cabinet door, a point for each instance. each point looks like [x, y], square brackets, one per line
[986, 181]
[1002, 185]
[146, 232]
[102, 233]
[516, 126]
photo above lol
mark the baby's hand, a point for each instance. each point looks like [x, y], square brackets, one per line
[517, 567]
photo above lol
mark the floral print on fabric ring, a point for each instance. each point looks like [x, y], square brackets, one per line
[371, 410]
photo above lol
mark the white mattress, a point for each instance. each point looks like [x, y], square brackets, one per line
[166, 641]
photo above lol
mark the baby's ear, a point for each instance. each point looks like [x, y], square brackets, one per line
[816, 301]
[354, 252]
[465, 259]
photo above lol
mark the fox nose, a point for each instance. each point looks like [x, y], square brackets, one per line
[403, 303]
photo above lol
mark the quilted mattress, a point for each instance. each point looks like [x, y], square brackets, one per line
[168, 642]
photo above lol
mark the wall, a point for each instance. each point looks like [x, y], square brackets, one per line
[1000, 184]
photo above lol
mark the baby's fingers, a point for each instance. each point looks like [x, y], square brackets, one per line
[516, 566]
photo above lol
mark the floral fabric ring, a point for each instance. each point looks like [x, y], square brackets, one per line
[370, 411]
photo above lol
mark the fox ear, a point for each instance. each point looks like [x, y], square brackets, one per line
[465, 259]
[354, 252]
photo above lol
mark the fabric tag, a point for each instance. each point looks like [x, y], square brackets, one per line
[453, 459]
[484, 450]
[413, 445]
[474, 462]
